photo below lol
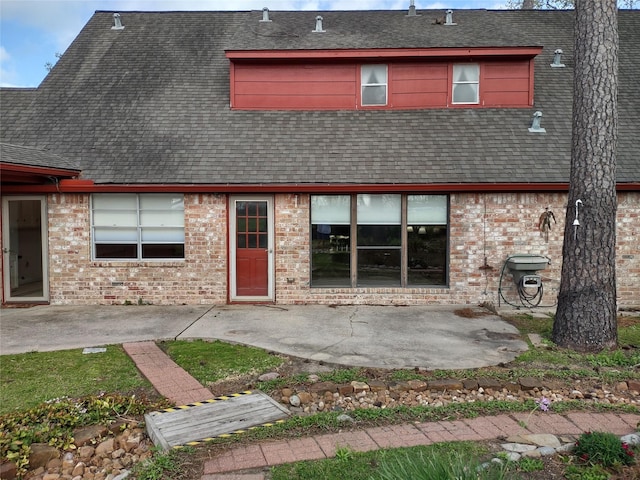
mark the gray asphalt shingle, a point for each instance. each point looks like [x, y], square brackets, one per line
[150, 104]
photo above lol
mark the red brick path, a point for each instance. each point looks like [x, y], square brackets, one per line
[165, 375]
[277, 452]
[177, 385]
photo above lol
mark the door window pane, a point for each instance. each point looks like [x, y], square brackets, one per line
[251, 224]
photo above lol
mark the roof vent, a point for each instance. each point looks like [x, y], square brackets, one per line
[265, 15]
[319, 25]
[535, 124]
[449, 18]
[557, 59]
[412, 9]
[117, 23]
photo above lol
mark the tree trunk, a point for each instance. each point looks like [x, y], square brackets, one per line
[586, 314]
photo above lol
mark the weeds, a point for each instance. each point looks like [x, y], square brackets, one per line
[602, 448]
[161, 465]
[53, 422]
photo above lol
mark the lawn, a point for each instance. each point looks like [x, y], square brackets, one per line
[28, 379]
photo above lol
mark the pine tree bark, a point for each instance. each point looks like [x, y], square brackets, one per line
[586, 314]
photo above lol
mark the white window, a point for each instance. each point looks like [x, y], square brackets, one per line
[374, 85]
[137, 226]
[466, 79]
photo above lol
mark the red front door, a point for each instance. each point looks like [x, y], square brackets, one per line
[252, 248]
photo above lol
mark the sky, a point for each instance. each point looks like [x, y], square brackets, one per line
[34, 32]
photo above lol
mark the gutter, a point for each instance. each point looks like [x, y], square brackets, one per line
[88, 186]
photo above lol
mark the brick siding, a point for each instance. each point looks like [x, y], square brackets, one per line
[484, 230]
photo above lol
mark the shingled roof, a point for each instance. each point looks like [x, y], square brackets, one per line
[150, 104]
[32, 157]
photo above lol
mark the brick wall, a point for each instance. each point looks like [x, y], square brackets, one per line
[201, 278]
[484, 230]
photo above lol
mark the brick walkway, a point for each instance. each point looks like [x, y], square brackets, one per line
[277, 452]
[165, 375]
[176, 384]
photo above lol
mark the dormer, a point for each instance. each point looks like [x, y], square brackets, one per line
[383, 61]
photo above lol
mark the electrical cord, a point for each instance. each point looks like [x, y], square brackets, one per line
[526, 298]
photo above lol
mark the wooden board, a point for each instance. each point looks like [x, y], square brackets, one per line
[221, 416]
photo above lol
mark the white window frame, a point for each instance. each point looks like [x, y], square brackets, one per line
[364, 84]
[465, 82]
[141, 227]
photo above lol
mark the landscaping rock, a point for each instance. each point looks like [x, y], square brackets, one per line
[632, 439]
[268, 376]
[518, 447]
[305, 398]
[489, 383]
[445, 384]
[105, 447]
[539, 439]
[359, 387]
[622, 387]
[470, 384]
[529, 383]
[547, 451]
[84, 435]
[634, 385]
[8, 470]
[345, 389]
[41, 454]
[322, 387]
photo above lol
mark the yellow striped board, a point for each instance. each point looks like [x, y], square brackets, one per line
[220, 417]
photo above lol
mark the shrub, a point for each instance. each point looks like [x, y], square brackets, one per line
[601, 448]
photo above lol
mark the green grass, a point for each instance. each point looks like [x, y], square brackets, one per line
[380, 463]
[29, 379]
[630, 335]
[163, 465]
[583, 365]
[209, 362]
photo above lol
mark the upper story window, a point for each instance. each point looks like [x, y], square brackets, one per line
[466, 83]
[130, 226]
[374, 85]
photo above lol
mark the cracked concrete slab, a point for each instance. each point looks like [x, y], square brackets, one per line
[431, 337]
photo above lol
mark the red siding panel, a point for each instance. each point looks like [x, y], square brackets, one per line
[292, 102]
[419, 85]
[294, 87]
[506, 84]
